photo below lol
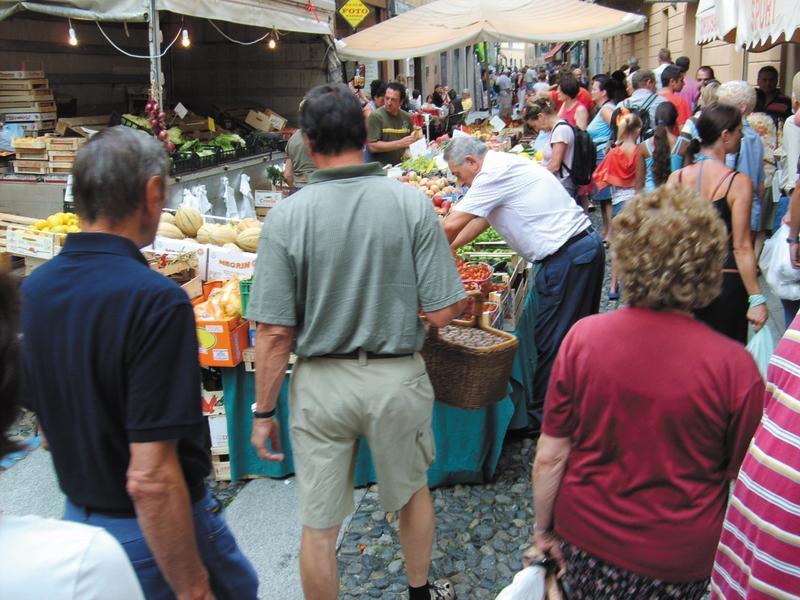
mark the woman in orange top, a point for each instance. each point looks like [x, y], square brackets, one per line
[623, 169]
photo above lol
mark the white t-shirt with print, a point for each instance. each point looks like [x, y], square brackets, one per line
[525, 203]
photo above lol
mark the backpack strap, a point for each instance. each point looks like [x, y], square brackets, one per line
[649, 102]
[563, 163]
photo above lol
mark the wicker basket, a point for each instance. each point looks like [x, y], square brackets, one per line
[469, 377]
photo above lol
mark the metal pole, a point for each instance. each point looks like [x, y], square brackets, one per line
[154, 38]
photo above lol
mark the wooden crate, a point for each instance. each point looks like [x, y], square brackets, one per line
[27, 107]
[31, 167]
[63, 167]
[24, 84]
[61, 155]
[30, 143]
[22, 74]
[31, 154]
[221, 461]
[62, 143]
[35, 128]
[8, 220]
[38, 94]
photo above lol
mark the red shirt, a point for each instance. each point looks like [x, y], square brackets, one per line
[584, 97]
[684, 112]
[660, 410]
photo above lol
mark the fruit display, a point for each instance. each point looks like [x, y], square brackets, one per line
[438, 189]
[188, 223]
[223, 303]
[59, 223]
[470, 337]
[420, 164]
[476, 273]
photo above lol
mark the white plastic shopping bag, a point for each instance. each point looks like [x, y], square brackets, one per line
[247, 209]
[231, 209]
[528, 584]
[197, 197]
[777, 266]
[761, 346]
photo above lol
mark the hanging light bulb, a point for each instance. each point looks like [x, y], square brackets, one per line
[185, 41]
[72, 38]
[272, 42]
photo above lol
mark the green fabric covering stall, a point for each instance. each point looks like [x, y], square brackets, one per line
[468, 442]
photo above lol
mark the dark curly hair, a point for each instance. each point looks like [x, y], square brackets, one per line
[666, 117]
[9, 361]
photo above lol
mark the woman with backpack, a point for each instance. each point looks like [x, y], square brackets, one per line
[572, 109]
[660, 151]
[558, 152]
[720, 131]
[623, 170]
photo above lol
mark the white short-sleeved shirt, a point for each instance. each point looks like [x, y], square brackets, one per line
[561, 132]
[60, 560]
[525, 203]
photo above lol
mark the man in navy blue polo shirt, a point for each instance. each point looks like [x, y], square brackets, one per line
[110, 357]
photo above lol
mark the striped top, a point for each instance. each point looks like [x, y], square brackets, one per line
[759, 551]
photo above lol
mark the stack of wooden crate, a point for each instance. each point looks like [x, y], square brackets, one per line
[61, 153]
[26, 99]
[32, 156]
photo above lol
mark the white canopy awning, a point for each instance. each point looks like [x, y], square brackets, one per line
[716, 20]
[446, 24]
[762, 24]
[286, 15]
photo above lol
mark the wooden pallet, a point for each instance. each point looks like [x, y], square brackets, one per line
[31, 167]
[23, 84]
[63, 167]
[27, 107]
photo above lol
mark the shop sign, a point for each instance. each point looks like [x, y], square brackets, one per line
[354, 11]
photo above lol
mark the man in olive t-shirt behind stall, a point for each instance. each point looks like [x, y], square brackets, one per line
[389, 129]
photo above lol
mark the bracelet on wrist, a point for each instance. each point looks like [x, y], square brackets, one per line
[539, 529]
[262, 415]
[756, 300]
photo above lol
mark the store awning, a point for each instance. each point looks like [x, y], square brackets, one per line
[716, 20]
[549, 56]
[286, 15]
[761, 25]
[446, 24]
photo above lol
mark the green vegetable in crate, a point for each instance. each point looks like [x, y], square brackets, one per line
[228, 141]
[140, 122]
[175, 135]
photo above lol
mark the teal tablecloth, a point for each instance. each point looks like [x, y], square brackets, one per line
[468, 442]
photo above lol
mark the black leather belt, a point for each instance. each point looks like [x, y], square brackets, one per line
[354, 355]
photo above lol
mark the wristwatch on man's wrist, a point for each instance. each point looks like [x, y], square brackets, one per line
[262, 415]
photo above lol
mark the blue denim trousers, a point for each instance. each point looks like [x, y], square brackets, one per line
[230, 573]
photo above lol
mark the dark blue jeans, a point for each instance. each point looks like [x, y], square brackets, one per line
[569, 284]
[231, 574]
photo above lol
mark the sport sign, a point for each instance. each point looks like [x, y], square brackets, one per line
[354, 11]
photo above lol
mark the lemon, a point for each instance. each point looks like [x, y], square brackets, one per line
[40, 225]
[60, 229]
[54, 220]
[73, 229]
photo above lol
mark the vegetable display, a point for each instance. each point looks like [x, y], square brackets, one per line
[223, 303]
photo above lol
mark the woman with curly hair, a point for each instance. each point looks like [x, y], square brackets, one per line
[632, 469]
[731, 194]
[657, 151]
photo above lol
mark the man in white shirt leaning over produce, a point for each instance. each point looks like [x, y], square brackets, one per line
[528, 206]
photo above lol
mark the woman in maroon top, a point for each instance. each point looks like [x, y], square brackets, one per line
[632, 469]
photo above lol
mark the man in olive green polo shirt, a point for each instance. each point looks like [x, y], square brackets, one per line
[298, 166]
[389, 129]
[343, 270]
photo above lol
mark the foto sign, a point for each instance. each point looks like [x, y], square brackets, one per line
[354, 11]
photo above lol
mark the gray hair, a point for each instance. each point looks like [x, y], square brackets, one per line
[641, 77]
[462, 147]
[739, 94]
[111, 172]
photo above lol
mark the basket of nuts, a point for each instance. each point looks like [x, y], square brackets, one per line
[468, 363]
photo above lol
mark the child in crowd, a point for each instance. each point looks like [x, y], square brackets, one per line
[660, 151]
[623, 169]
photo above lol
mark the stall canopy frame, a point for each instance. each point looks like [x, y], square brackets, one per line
[447, 24]
[287, 15]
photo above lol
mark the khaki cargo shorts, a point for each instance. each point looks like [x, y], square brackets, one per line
[334, 402]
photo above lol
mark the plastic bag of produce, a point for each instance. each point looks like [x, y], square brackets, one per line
[248, 205]
[528, 584]
[777, 266]
[231, 209]
[761, 346]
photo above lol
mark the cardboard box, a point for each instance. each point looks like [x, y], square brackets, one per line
[259, 120]
[221, 343]
[213, 402]
[22, 117]
[221, 461]
[218, 428]
[277, 121]
[77, 123]
[224, 264]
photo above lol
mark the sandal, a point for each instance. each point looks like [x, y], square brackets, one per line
[613, 294]
[442, 589]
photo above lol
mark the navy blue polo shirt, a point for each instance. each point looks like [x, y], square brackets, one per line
[110, 358]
